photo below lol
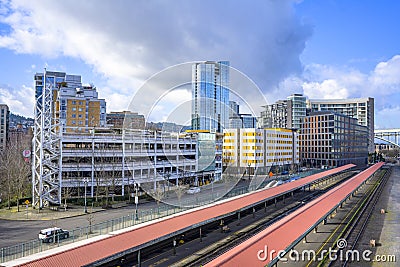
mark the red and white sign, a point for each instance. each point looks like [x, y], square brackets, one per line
[26, 153]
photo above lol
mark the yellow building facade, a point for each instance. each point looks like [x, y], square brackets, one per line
[259, 149]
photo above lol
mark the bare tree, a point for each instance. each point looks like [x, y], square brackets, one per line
[15, 171]
[67, 191]
[106, 170]
[179, 191]
[159, 194]
[90, 219]
[293, 168]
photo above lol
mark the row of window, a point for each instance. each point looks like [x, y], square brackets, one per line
[279, 135]
[252, 141]
[251, 147]
[74, 102]
[248, 161]
[271, 154]
[252, 154]
[252, 134]
[279, 141]
[74, 115]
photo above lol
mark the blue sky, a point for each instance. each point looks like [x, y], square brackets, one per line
[321, 48]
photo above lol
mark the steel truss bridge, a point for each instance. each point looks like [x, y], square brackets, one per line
[391, 136]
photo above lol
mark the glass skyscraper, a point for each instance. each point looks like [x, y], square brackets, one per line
[210, 96]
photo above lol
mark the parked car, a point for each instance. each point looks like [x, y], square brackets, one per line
[193, 190]
[50, 235]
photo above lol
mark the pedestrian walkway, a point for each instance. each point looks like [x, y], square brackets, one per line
[30, 214]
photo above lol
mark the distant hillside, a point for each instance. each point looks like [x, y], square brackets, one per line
[18, 119]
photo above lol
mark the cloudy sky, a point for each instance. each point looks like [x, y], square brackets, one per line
[321, 48]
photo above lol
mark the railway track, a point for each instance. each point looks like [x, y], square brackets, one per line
[352, 225]
[357, 228]
[213, 251]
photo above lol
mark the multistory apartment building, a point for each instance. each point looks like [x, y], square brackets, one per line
[284, 113]
[297, 110]
[257, 150]
[76, 107]
[210, 96]
[275, 115]
[118, 161]
[4, 126]
[332, 139]
[126, 119]
[361, 109]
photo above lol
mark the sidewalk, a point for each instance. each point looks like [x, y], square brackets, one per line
[44, 214]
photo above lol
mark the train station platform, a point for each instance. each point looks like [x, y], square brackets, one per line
[136, 237]
[276, 240]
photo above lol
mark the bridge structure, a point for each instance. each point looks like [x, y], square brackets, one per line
[391, 136]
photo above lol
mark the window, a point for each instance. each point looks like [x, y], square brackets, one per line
[73, 115]
[80, 115]
[73, 109]
[74, 102]
[73, 122]
[80, 109]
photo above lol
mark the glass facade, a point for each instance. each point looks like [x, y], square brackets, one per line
[333, 139]
[210, 96]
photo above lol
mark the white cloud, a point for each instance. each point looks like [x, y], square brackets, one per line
[128, 41]
[22, 99]
[387, 118]
[386, 77]
[328, 89]
[324, 81]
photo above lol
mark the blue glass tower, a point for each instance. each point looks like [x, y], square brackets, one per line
[210, 95]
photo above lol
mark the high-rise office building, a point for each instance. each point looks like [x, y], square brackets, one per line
[238, 120]
[248, 121]
[234, 118]
[210, 95]
[361, 109]
[75, 106]
[4, 126]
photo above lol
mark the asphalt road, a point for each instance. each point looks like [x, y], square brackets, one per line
[14, 232]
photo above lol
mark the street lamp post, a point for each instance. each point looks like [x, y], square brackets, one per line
[248, 171]
[136, 201]
[85, 182]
